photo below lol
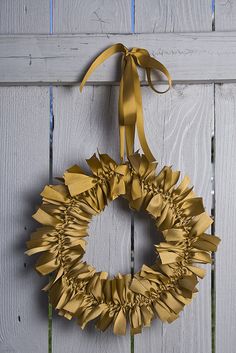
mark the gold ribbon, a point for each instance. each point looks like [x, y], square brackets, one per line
[130, 98]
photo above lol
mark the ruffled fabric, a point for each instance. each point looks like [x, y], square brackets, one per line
[76, 289]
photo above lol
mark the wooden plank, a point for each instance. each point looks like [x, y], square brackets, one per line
[225, 195]
[62, 59]
[178, 128]
[23, 173]
[24, 16]
[225, 15]
[225, 192]
[84, 123]
[24, 121]
[176, 137]
[172, 16]
[79, 16]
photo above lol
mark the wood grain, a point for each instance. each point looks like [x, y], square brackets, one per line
[63, 59]
[24, 146]
[82, 16]
[178, 128]
[225, 195]
[24, 16]
[179, 132]
[24, 122]
[225, 15]
[84, 123]
[172, 16]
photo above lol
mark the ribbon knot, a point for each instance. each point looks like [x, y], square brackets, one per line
[130, 98]
[128, 52]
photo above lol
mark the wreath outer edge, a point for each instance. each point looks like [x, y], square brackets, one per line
[163, 289]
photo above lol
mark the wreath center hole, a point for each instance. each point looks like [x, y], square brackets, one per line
[109, 241]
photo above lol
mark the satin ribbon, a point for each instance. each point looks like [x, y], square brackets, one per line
[130, 98]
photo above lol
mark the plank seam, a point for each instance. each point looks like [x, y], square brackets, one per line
[132, 240]
[213, 274]
[213, 206]
[51, 127]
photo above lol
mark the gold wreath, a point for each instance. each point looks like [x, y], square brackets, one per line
[77, 290]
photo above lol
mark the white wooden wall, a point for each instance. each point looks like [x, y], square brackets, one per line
[185, 128]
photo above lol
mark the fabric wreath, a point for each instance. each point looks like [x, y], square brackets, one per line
[163, 289]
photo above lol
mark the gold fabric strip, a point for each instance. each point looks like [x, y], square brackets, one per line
[163, 289]
[130, 98]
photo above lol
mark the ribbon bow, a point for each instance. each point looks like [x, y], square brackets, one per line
[130, 98]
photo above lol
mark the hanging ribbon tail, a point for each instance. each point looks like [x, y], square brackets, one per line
[130, 107]
[140, 121]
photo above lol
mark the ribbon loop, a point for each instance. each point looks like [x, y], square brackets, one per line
[130, 97]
